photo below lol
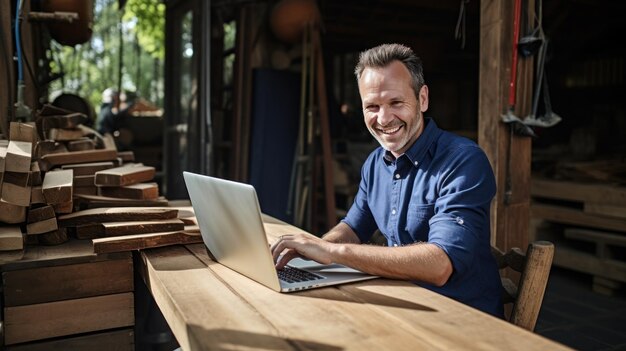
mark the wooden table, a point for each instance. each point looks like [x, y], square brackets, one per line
[210, 307]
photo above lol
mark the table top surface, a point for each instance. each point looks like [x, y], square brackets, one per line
[210, 307]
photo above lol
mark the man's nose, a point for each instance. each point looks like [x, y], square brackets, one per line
[384, 116]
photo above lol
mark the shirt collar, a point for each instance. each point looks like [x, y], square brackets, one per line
[423, 143]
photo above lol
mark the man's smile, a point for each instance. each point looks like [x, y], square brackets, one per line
[390, 130]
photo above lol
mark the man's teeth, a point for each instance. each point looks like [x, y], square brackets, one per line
[390, 130]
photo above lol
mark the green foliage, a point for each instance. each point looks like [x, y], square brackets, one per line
[150, 24]
[92, 67]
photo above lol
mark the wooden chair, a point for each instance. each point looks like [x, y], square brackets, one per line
[534, 267]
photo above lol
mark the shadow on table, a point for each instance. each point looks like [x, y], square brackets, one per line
[230, 339]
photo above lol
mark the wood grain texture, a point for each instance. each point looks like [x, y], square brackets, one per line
[89, 168]
[577, 217]
[65, 134]
[116, 214]
[19, 154]
[48, 284]
[110, 229]
[15, 194]
[191, 235]
[11, 238]
[81, 145]
[26, 323]
[140, 191]
[84, 180]
[57, 186]
[96, 201]
[12, 214]
[118, 340]
[125, 175]
[582, 192]
[63, 158]
[23, 132]
[41, 227]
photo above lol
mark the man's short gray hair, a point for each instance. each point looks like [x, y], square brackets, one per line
[383, 55]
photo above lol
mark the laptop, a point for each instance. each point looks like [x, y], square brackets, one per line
[231, 226]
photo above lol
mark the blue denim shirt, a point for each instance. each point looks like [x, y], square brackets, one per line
[438, 192]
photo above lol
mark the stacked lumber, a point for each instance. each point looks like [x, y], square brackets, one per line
[587, 222]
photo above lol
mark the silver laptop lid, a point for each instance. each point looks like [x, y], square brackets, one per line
[230, 222]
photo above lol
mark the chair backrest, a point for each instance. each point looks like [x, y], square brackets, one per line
[534, 267]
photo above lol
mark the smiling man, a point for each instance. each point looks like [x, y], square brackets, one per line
[426, 190]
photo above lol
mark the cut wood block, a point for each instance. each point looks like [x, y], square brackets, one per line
[12, 214]
[64, 207]
[45, 147]
[28, 323]
[125, 175]
[48, 284]
[82, 169]
[11, 238]
[57, 186]
[55, 237]
[116, 214]
[35, 177]
[126, 156]
[191, 235]
[85, 180]
[109, 142]
[63, 134]
[140, 191]
[19, 154]
[15, 194]
[81, 145]
[118, 340]
[95, 201]
[36, 195]
[11, 256]
[40, 213]
[23, 132]
[58, 159]
[102, 230]
[605, 210]
[41, 227]
[85, 190]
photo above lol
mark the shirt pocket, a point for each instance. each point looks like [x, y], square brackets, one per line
[417, 220]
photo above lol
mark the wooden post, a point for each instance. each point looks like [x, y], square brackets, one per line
[509, 222]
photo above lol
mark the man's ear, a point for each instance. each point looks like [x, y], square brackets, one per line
[423, 98]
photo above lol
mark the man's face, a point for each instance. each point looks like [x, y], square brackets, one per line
[392, 113]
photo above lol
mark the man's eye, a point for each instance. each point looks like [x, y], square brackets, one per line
[371, 108]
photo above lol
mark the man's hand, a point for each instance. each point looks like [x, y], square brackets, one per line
[305, 245]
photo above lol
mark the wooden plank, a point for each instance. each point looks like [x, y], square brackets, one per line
[26, 323]
[577, 217]
[125, 175]
[41, 227]
[86, 190]
[582, 192]
[11, 238]
[587, 263]
[62, 134]
[19, 154]
[118, 340]
[57, 186]
[96, 201]
[116, 214]
[16, 194]
[595, 236]
[45, 147]
[72, 252]
[12, 214]
[102, 230]
[68, 121]
[48, 284]
[4, 144]
[126, 156]
[34, 176]
[84, 169]
[40, 213]
[23, 132]
[63, 158]
[55, 237]
[139, 191]
[191, 235]
[84, 180]
[63, 207]
[605, 210]
[81, 145]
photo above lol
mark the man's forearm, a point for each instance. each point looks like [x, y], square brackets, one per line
[341, 233]
[422, 262]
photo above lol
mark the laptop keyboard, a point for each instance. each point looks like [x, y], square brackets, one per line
[295, 275]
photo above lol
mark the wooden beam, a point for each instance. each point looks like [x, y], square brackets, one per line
[12, 214]
[63, 158]
[11, 238]
[116, 214]
[83, 169]
[125, 175]
[141, 191]
[509, 154]
[19, 154]
[191, 235]
[110, 229]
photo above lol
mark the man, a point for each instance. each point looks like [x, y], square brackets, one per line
[427, 191]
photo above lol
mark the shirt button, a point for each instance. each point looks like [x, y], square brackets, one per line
[459, 220]
[395, 245]
[397, 175]
[416, 163]
[393, 211]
